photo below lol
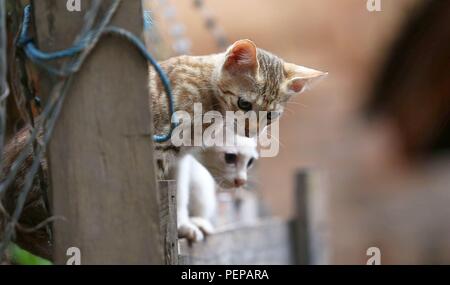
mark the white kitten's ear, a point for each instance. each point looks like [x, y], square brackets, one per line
[301, 79]
[241, 57]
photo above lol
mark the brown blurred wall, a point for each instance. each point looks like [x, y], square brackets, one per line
[340, 37]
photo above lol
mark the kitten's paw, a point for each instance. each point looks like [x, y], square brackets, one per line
[190, 232]
[203, 224]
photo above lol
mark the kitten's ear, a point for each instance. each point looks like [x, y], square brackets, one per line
[241, 57]
[301, 79]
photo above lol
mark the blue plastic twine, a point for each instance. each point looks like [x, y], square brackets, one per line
[38, 56]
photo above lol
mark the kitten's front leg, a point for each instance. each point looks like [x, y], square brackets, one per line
[190, 232]
[186, 229]
[203, 224]
[194, 229]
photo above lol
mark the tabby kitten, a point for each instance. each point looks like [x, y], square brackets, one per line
[243, 78]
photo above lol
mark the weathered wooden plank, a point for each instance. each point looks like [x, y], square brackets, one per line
[265, 242]
[168, 219]
[300, 232]
[310, 222]
[101, 154]
[318, 223]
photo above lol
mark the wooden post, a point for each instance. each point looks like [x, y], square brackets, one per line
[101, 153]
[168, 219]
[310, 231]
[300, 232]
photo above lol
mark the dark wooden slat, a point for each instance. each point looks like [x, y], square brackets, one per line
[168, 219]
[300, 224]
[101, 155]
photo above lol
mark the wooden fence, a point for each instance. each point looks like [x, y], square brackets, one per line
[101, 165]
[266, 241]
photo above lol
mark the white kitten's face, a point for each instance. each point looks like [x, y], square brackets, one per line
[229, 165]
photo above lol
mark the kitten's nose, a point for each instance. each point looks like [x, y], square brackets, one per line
[238, 182]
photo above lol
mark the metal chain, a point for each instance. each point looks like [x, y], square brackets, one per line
[181, 43]
[211, 24]
[153, 39]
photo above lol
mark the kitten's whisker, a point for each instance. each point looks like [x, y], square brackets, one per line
[275, 138]
[256, 182]
[298, 103]
[291, 112]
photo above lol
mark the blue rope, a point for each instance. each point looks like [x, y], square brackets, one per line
[39, 57]
[27, 42]
[163, 77]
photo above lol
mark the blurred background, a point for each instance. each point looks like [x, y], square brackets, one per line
[366, 135]
[340, 37]
[364, 164]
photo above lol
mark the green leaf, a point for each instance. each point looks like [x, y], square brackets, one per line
[20, 256]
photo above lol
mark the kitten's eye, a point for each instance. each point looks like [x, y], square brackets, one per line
[230, 158]
[244, 105]
[250, 162]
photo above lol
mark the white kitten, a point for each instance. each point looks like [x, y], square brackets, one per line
[225, 166]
